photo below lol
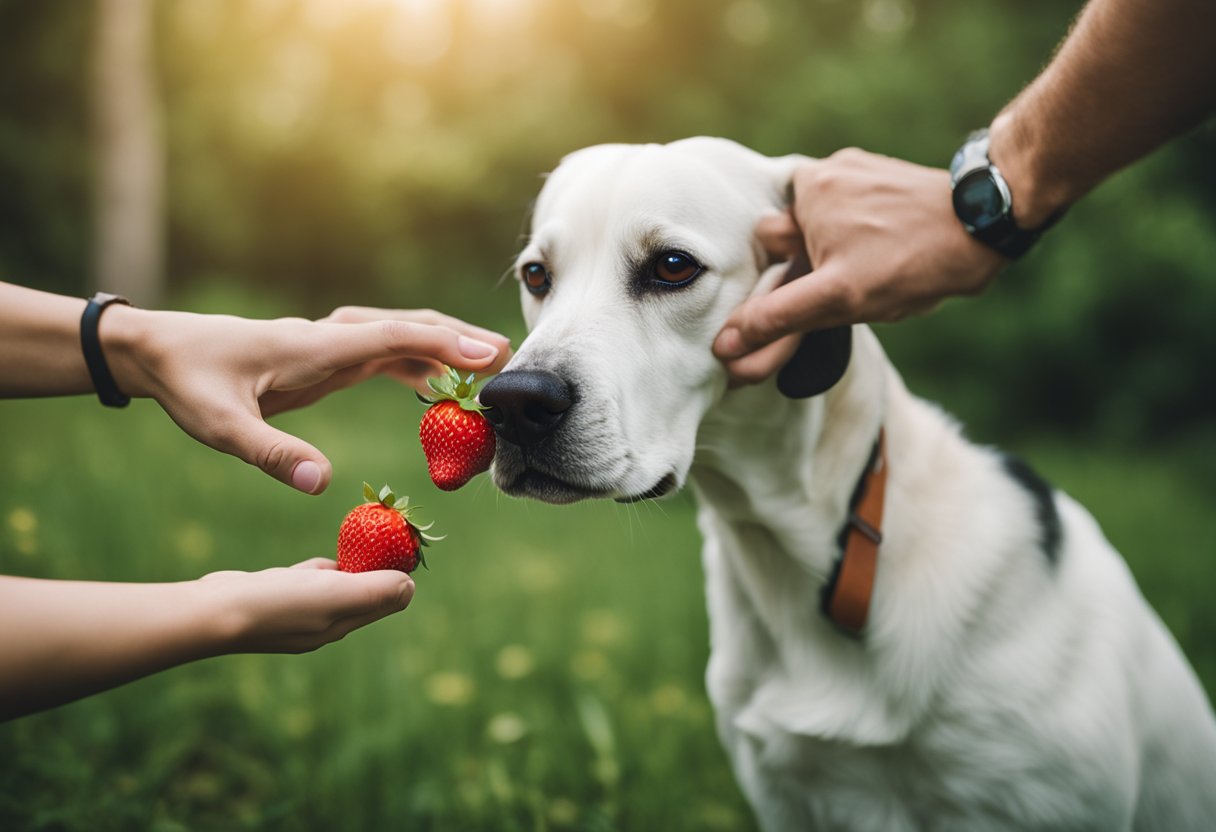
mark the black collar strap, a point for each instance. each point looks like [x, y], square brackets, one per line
[90, 343]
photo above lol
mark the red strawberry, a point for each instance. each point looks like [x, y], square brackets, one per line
[457, 438]
[379, 535]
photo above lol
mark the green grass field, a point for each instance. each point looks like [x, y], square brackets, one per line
[548, 674]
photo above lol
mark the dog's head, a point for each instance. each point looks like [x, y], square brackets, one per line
[637, 255]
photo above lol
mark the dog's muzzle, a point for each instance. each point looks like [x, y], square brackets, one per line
[548, 451]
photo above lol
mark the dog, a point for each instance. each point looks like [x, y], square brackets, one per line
[995, 666]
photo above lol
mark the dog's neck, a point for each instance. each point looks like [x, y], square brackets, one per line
[773, 479]
[790, 466]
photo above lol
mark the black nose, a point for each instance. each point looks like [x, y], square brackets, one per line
[525, 406]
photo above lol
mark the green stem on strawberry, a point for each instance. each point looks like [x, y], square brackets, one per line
[451, 386]
[388, 499]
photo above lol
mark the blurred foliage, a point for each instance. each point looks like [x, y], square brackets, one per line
[385, 152]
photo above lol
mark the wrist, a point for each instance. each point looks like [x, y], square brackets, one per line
[217, 624]
[127, 341]
[1038, 195]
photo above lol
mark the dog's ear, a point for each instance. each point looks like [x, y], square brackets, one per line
[823, 355]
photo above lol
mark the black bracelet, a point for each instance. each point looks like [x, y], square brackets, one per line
[99, 371]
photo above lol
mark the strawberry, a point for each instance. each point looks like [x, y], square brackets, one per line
[379, 535]
[457, 438]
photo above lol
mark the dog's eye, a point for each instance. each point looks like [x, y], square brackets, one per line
[536, 278]
[675, 268]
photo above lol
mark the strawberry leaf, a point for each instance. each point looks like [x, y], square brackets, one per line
[451, 386]
[402, 504]
[369, 493]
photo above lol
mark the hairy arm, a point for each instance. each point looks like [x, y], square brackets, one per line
[62, 640]
[1131, 75]
[881, 232]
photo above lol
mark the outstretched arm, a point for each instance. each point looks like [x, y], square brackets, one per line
[881, 232]
[62, 640]
[1131, 75]
[220, 376]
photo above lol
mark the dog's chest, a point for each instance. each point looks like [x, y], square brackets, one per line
[916, 785]
[814, 736]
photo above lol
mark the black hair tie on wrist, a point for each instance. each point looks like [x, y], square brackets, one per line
[90, 342]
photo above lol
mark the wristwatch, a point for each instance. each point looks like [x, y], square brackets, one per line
[983, 202]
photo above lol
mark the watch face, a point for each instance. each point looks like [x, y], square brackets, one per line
[978, 200]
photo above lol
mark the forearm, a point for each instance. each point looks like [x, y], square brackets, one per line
[1131, 75]
[62, 640]
[40, 352]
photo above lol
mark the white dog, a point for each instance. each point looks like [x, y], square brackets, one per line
[1002, 669]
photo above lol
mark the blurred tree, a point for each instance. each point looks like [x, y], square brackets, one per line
[128, 224]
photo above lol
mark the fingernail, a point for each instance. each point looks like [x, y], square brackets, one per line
[729, 343]
[306, 476]
[474, 349]
[406, 592]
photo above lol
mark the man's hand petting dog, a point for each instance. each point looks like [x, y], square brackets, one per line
[219, 377]
[884, 242]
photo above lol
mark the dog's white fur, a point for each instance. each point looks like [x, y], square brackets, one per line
[994, 689]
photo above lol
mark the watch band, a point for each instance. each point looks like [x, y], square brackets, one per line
[94, 359]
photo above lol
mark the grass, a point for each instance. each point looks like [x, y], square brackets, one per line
[548, 674]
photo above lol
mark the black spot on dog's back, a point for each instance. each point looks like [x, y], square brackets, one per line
[1050, 531]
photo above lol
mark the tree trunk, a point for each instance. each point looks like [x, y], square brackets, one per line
[128, 223]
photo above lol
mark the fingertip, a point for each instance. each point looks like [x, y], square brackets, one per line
[729, 344]
[474, 350]
[489, 336]
[310, 476]
[396, 588]
[500, 361]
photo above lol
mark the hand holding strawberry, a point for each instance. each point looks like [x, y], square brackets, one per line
[380, 535]
[456, 436]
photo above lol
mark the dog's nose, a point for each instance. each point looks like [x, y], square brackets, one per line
[525, 406]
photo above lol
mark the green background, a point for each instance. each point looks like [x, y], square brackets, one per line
[384, 152]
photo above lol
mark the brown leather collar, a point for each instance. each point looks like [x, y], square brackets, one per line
[846, 597]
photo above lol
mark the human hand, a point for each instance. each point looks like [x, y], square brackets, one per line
[299, 608]
[220, 376]
[885, 244]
